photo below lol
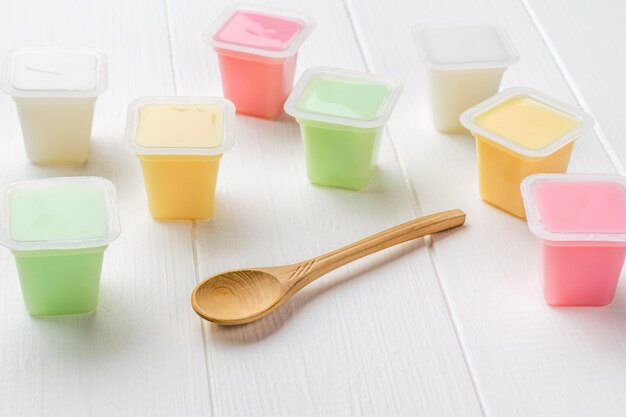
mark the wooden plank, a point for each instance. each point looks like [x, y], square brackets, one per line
[141, 353]
[371, 339]
[527, 359]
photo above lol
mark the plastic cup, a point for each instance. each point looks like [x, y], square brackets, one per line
[58, 230]
[465, 66]
[520, 132]
[179, 142]
[580, 223]
[257, 50]
[55, 92]
[342, 115]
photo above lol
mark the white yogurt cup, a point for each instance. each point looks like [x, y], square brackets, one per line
[55, 91]
[465, 66]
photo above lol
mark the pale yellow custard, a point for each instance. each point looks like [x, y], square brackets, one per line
[526, 122]
[179, 126]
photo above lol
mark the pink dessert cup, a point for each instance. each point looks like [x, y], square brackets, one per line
[258, 50]
[581, 274]
[580, 223]
[273, 81]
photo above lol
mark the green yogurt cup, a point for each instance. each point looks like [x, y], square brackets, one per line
[58, 230]
[342, 115]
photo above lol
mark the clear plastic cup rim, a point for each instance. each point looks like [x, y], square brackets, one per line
[586, 121]
[513, 56]
[384, 112]
[6, 78]
[113, 230]
[533, 217]
[308, 24]
[228, 109]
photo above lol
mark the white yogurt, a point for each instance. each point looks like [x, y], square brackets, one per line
[465, 66]
[55, 91]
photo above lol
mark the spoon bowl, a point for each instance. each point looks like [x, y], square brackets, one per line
[245, 295]
[237, 296]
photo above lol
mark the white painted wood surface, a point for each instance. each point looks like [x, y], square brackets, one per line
[468, 333]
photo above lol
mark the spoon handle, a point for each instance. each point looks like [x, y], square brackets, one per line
[433, 223]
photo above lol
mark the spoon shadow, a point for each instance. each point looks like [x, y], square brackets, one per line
[268, 325]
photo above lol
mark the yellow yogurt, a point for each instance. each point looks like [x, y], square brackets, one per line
[526, 122]
[179, 143]
[520, 132]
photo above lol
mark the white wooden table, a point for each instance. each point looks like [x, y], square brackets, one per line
[453, 326]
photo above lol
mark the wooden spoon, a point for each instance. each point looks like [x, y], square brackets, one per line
[245, 295]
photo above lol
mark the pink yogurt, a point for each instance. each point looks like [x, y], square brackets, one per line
[259, 31]
[580, 221]
[257, 50]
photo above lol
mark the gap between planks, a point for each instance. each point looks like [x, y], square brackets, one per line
[193, 234]
[369, 65]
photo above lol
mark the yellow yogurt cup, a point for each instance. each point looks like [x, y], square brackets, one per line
[520, 132]
[179, 142]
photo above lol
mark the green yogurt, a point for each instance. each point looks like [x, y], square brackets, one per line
[58, 230]
[339, 158]
[60, 282]
[337, 96]
[341, 116]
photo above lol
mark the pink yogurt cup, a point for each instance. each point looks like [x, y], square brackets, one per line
[257, 50]
[580, 222]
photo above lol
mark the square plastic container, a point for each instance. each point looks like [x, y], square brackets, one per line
[55, 91]
[342, 115]
[465, 66]
[257, 49]
[179, 142]
[520, 132]
[580, 222]
[58, 230]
